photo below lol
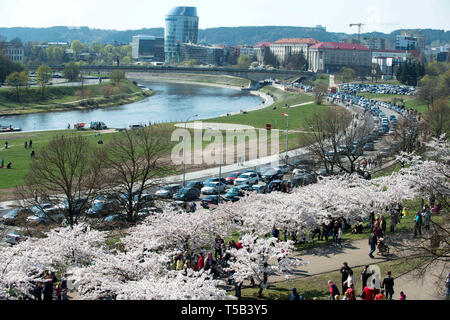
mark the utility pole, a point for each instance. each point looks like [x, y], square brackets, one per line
[184, 149]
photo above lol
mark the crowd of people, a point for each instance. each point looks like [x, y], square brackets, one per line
[48, 287]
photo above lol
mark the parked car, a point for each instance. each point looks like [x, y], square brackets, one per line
[210, 200]
[305, 179]
[115, 218]
[99, 209]
[10, 217]
[223, 180]
[262, 170]
[147, 199]
[259, 188]
[168, 191]
[245, 187]
[187, 194]
[14, 237]
[247, 178]
[214, 187]
[369, 147]
[272, 174]
[276, 185]
[234, 192]
[284, 168]
[231, 177]
[195, 184]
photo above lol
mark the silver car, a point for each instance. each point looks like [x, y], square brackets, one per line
[249, 178]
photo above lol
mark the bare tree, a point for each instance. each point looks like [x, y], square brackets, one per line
[438, 116]
[319, 92]
[332, 137]
[135, 164]
[66, 174]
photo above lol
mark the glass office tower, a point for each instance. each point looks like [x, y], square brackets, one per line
[181, 27]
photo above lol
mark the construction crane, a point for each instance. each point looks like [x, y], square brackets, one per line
[359, 30]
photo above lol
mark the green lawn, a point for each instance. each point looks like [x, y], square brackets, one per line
[260, 118]
[32, 100]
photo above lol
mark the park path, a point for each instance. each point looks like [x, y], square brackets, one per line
[329, 258]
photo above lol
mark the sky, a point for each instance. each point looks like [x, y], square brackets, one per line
[380, 15]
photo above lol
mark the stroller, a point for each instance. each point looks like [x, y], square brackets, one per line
[383, 249]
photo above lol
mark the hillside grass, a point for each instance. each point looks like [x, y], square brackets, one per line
[61, 98]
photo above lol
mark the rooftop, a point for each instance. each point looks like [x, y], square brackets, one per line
[340, 46]
[183, 11]
[297, 41]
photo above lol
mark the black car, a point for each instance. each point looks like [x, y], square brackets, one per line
[187, 194]
[276, 185]
[262, 170]
[195, 184]
[305, 179]
[271, 175]
[210, 200]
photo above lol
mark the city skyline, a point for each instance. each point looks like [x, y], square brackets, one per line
[382, 16]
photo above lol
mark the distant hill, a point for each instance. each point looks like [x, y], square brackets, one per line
[224, 35]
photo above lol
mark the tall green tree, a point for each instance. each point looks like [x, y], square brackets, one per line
[71, 72]
[18, 80]
[243, 61]
[43, 76]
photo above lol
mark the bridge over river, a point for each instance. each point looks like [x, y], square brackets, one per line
[251, 74]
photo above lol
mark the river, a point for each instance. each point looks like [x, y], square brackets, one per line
[171, 102]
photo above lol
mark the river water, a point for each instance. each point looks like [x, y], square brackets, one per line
[171, 102]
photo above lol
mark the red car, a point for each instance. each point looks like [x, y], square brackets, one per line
[232, 176]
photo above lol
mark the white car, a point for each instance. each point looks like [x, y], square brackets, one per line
[214, 188]
[284, 168]
[247, 178]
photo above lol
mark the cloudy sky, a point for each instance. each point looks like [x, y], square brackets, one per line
[379, 15]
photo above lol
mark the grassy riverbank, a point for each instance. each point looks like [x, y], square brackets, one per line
[66, 98]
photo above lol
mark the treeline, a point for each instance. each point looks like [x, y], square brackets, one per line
[94, 53]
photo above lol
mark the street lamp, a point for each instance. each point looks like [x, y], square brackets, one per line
[184, 149]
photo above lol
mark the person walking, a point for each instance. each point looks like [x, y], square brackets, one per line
[26, 144]
[3, 163]
[373, 239]
[30, 144]
[6, 144]
[339, 238]
[388, 285]
[345, 271]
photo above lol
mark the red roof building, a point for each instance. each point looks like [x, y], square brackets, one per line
[331, 57]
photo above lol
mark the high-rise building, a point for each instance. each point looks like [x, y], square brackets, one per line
[421, 40]
[181, 27]
[148, 48]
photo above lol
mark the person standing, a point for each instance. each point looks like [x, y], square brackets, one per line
[382, 226]
[418, 224]
[339, 238]
[26, 144]
[3, 163]
[426, 217]
[365, 275]
[373, 243]
[275, 233]
[345, 271]
[30, 144]
[388, 285]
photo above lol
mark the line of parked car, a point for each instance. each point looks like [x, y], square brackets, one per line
[379, 88]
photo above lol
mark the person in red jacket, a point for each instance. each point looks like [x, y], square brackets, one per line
[351, 292]
[334, 291]
[201, 263]
[368, 293]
